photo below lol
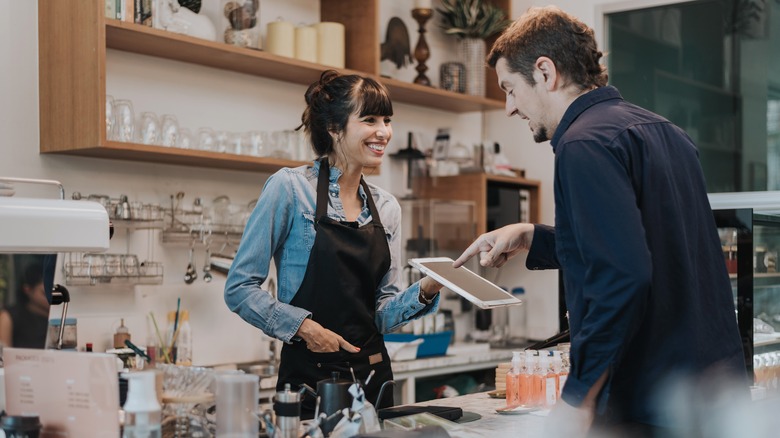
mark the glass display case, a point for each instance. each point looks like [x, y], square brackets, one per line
[437, 228]
[750, 238]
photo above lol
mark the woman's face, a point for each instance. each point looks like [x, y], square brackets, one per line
[363, 142]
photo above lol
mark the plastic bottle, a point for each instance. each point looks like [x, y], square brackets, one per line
[184, 340]
[122, 334]
[525, 384]
[550, 380]
[564, 373]
[561, 374]
[142, 410]
[513, 381]
[537, 382]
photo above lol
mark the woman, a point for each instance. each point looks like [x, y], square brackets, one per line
[24, 325]
[336, 243]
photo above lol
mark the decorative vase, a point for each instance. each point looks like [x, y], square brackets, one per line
[471, 52]
[241, 19]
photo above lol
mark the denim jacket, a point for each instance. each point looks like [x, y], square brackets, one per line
[282, 226]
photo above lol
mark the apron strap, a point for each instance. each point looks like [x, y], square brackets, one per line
[322, 194]
[322, 190]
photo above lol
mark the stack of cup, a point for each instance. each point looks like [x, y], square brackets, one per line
[501, 371]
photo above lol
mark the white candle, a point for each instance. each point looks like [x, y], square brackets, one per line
[330, 44]
[422, 4]
[306, 43]
[280, 38]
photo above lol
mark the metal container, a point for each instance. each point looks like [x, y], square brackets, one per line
[287, 407]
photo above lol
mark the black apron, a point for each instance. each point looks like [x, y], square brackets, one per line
[346, 265]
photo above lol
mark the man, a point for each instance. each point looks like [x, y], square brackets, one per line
[647, 290]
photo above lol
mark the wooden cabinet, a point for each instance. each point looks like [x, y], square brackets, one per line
[74, 36]
[477, 187]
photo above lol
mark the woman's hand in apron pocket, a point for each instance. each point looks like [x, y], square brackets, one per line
[321, 340]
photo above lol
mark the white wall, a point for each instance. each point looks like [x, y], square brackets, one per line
[202, 96]
[198, 96]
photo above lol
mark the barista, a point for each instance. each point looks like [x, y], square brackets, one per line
[24, 325]
[336, 242]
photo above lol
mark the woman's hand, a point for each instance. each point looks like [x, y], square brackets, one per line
[321, 340]
[429, 288]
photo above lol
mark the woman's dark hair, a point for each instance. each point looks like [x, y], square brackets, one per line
[548, 31]
[32, 275]
[333, 98]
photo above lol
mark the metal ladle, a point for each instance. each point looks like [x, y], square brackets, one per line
[190, 275]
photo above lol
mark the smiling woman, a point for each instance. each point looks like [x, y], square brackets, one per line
[335, 240]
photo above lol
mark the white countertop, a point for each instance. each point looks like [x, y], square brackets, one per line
[492, 424]
[458, 356]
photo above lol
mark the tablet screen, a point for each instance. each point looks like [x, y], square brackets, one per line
[483, 290]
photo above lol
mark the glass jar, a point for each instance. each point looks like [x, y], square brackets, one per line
[69, 338]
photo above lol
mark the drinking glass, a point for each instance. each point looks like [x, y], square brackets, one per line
[280, 145]
[125, 120]
[221, 142]
[110, 119]
[254, 143]
[234, 143]
[206, 139]
[169, 130]
[149, 128]
[129, 264]
[185, 140]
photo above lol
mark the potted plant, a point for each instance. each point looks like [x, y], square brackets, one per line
[472, 21]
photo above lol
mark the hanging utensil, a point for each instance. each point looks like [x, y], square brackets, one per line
[190, 275]
[207, 265]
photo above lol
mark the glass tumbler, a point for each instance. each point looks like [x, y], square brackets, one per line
[185, 140]
[206, 139]
[125, 120]
[148, 128]
[254, 143]
[110, 119]
[169, 130]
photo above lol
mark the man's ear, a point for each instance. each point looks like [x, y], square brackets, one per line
[546, 73]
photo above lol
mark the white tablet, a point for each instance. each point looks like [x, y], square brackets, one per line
[464, 282]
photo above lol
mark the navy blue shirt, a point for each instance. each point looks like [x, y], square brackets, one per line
[646, 284]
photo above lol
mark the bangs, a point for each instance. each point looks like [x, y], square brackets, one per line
[372, 99]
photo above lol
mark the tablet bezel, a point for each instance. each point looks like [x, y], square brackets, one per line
[419, 263]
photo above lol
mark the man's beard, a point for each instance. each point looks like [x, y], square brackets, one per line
[540, 135]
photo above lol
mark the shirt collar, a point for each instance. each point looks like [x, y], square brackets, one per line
[579, 106]
[333, 178]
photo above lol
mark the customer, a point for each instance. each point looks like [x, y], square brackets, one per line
[336, 242]
[24, 324]
[646, 286]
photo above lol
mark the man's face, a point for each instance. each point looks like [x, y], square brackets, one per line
[524, 100]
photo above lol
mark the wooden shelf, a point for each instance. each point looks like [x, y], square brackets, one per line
[73, 39]
[135, 38]
[185, 157]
